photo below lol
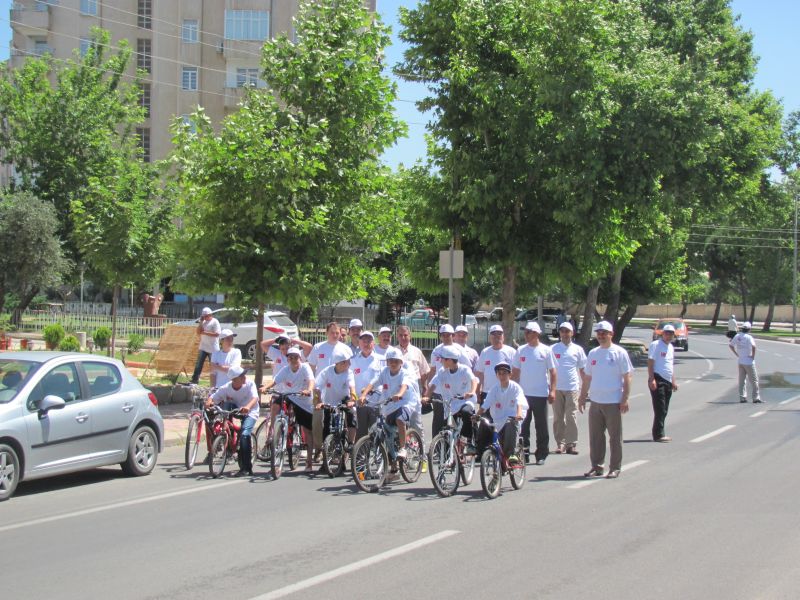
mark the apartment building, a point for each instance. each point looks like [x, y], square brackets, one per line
[195, 52]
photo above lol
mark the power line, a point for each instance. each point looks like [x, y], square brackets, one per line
[737, 237]
[728, 244]
[738, 228]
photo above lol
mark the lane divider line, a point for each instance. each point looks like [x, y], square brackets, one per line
[758, 414]
[352, 567]
[789, 400]
[588, 482]
[714, 433]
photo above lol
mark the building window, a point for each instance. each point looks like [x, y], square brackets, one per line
[144, 14]
[144, 98]
[89, 7]
[190, 31]
[40, 47]
[85, 45]
[246, 25]
[143, 134]
[189, 79]
[247, 77]
[144, 59]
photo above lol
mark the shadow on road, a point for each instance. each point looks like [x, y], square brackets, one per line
[63, 482]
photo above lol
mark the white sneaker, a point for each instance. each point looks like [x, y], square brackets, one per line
[401, 454]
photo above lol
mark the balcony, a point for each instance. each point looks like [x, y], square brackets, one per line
[30, 20]
[233, 96]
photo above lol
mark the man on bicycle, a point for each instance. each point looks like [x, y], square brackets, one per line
[336, 385]
[446, 336]
[365, 365]
[457, 385]
[504, 401]
[242, 394]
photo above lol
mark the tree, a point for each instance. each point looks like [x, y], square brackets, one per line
[31, 256]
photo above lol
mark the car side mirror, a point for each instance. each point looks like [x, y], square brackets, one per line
[49, 403]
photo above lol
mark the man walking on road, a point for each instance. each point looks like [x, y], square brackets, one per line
[570, 364]
[209, 330]
[744, 347]
[733, 327]
[608, 382]
[661, 379]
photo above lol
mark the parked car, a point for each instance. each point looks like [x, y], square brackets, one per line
[421, 317]
[275, 323]
[482, 315]
[681, 337]
[551, 318]
[62, 412]
[470, 320]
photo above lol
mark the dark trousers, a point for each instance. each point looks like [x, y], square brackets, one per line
[537, 411]
[661, 397]
[465, 417]
[198, 366]
[438, 417]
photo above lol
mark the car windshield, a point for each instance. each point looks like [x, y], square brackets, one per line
[13, 375]
[676, 324]
[282, 320]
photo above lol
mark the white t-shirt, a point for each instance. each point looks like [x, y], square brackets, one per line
[436, 355]
[239, 398]
[662, 355]
[450, 384]
[534, 364]
[488, 359]
[334, 387]
[744, 344]
[365, 369]
[231, 358]
[380, 354]
[294, 382]
[388, 385]
[732, 325]
[279, 360]
[321, 353]
[503, 403]
[569, 361]
[209, 343]
[606, 366]
[472, 354]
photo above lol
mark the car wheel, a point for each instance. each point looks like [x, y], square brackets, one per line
[250, 350]
[142, 452]
[9, 471]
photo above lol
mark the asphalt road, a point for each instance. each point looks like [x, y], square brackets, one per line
[707, 516]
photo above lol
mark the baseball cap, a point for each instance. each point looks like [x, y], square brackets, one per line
[746, 325]
[668, 328]
[604, 326]
[566, 325]
[533, 326]
[449, 352]
[384, 330]
[393, 354]
[226, 333]
[446, 328]
[293, 350]
[356, 323]
[496, 329]
[206, 311]
[341, 353]
[367, 334]
[462, 329]
[235, 371]
[502, 366]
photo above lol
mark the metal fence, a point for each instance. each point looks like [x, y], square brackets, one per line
[37, 320]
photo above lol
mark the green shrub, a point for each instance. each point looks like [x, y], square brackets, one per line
[53, 334]
[70, 344]
[135, 343]
[102, 337]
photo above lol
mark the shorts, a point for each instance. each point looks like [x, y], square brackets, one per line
[301, 416]
[404, 414]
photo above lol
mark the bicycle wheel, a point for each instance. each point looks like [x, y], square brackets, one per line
[443, 466]
[491, 476]
[219, 455]
[411, 467]
[333, 455]
[369, 465]
[263, 443]
[293, 450]
[517, 472]
[278, 450]
[193, 436]
[467, 468]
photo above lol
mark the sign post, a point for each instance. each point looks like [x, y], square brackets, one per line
[451, 266]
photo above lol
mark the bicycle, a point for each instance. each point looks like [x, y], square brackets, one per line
[336, 445]
[286, 441]
[494, 463]
[198, 420]
[226, 439]
[369, 460]
[448, 465]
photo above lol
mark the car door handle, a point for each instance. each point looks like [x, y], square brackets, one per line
[82, 418]
[127, 407]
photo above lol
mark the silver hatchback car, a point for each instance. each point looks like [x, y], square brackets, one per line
[62, 412]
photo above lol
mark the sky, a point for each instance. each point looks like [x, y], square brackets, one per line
[776, 43]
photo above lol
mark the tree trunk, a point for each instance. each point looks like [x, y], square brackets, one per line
[623, 321]
[684, 307]
[743, 291]
[259, 375]
[752, 313]
[770, 313]
[509, 302]
[612, 309]
[26, 299]
[2, 298]
[114, 295]
[588, 314]
[717, 308]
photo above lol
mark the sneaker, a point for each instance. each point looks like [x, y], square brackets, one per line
[757, 401]
[613, 474]
[207, 459]
[401, 454]
[594, 472]
[560, 449]
[664, 439]
[539, 462]
[572, 450]
[243, 473]
[742, 400]
[514, 460]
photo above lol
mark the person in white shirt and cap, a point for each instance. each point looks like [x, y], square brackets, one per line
[570, 365]
[447, 338]
[608, 381]
[384, 343]
[223, 359]
[336, 385]
[457, 386]
[661, 379]
[365, 365]
[209, 330]
[743, 345]
[733, 327]
[461, 337]
[354, 331]
[507, 407]
[495, 353]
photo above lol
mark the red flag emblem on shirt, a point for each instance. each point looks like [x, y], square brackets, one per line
[498, 405]
[594, 362]
[358, 371]
[521, 359]
[447, 386]
[488, 362]
[322, 356]
[327, 385]
[558, 356]
[663, 354]
[386, 386]
[288, 384]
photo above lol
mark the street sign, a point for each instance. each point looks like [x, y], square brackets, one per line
[458, 264]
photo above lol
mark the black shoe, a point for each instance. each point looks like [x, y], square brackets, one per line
[757, 401]
[207, 459]
[743, 401]
[243, 473]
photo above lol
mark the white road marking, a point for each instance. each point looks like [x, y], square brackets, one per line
[352, 567]
[588, 482]
[714, 433]
[789, 400]
[97, 509]
[779, 355]
[758, 414]
[709, 362]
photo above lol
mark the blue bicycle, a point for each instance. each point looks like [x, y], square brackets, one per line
[494, 463]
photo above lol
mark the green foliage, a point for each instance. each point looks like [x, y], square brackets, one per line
[70, 344]
[102, 337]
[135, 343]
[53, 335]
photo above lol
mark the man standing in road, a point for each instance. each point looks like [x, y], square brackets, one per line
[661, 379]
[608, 382]
[497, 352]
[570, 364]
[744, 347]
[209, 330]
[733, 327]
[461, 335]
[534, 368]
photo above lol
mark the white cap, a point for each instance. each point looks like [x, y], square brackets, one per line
[502, 365]
[462, 329]
[206, 311]
[226, 333]
[293, 350]
[496, 329]
[356, 323]
[384, 330]
[604, 326]
[446, 328]
[746, 325]
[449, 352]
[393, 354]
[367, 334]
[533, 326]
[235, 371]
[668, 327]
[341, 353]
[566, 325]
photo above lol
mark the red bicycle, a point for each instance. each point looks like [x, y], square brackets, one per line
[225, 447]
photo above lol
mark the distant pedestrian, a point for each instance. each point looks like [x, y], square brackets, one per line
[608, 384]
[570, 368]
[661, 379]
[224, 358]
[744, 347]
[209, 330]
[733, 327]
